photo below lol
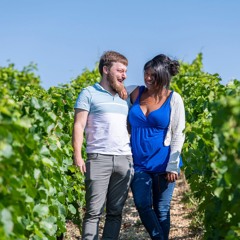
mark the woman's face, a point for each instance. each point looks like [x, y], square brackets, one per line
[149, 78]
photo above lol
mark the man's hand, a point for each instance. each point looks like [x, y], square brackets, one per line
[81, 164]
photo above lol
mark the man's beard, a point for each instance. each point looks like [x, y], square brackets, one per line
[114, 84]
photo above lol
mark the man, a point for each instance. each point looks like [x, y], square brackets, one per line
[102, 114]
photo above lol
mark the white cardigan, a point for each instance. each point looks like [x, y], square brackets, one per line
[175, 136]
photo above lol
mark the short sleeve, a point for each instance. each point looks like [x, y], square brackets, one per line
[83, 101]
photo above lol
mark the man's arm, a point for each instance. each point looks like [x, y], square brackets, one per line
[80, 120]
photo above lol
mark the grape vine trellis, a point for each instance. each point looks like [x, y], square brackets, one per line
[39, 187]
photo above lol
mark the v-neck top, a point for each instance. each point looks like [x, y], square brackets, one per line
[148, 134]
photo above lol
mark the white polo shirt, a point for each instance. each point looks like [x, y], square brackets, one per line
[106, 128]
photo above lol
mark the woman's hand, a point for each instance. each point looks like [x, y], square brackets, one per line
[123, 94]
[171, 177]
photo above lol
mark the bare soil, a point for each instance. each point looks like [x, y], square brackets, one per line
[132, 228]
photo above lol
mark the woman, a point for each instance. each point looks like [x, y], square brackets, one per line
[157, 120]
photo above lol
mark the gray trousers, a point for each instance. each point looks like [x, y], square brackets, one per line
[108, 178]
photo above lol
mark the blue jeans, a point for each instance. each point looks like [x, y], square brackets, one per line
[152, 196]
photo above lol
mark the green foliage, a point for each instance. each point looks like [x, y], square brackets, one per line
[211, 149]
[40, 188]
[226, 167]
[16, 82]
[87, 78]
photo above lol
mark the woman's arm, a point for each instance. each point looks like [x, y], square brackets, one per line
[134, 94]
[177, 134]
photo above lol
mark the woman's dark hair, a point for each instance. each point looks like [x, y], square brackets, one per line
[164, 69]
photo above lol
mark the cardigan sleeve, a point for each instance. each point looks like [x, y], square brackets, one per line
[177, 133]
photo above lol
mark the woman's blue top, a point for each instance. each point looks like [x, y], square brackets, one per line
[147, 136]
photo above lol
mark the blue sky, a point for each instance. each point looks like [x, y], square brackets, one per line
[65, 37]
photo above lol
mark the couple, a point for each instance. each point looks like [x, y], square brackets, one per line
[149, 162]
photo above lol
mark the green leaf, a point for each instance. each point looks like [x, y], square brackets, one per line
[41, 210]
[50, 127]
[44, 151]
[35, 103]
[49, 226]
[37, 173]
[6, 219]
[52, 115]
[47, 162]
[72, 209]
[218, 191]
[5, 150]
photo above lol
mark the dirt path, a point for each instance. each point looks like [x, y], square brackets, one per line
[132, 229]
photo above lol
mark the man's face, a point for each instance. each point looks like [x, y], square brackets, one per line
[116, 75]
